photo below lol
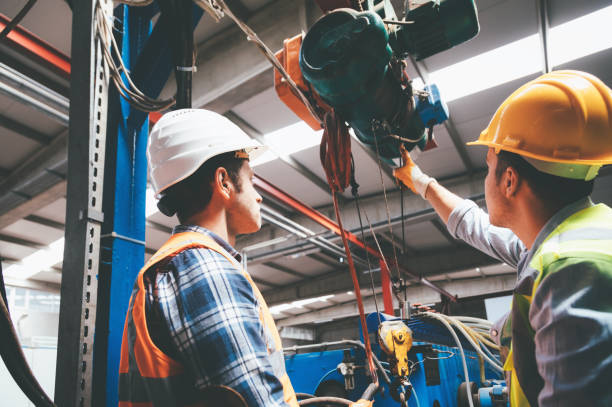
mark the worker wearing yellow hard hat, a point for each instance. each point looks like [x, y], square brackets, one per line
[547, 142]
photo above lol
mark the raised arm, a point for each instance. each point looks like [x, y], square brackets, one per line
[463, 218]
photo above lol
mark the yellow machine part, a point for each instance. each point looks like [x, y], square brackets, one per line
[395, 339]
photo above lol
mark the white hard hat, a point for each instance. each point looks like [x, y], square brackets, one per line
[182, 140]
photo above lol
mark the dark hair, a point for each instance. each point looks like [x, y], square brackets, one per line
[553, 191]
[193, 194]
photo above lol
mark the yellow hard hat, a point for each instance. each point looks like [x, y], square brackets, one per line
[560, 122]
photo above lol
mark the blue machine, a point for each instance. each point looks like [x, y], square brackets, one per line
[437, 377]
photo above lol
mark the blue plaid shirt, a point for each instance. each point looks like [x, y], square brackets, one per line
[203, 312]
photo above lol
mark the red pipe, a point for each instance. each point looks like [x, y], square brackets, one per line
[309, 212]
[26, 42]
[334, 227]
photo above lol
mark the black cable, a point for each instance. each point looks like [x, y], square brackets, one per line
[402, 211]
[179, 12]
[17, 19]
[325, 400]
[3, 289]
[355, 193]
[15, 361]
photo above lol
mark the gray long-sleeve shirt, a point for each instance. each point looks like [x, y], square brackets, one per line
[571, 312]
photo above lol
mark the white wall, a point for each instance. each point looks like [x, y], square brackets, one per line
[35, 315]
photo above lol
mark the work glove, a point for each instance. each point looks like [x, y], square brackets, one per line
[411, 175]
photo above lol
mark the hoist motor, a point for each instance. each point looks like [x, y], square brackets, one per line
[352, 61]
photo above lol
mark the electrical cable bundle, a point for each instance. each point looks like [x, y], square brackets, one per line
[475, 335]
[129, 91]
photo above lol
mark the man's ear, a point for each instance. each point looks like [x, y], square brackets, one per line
[223, 183]
[510, 182]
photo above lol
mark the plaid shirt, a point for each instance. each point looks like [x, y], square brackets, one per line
[202, 311]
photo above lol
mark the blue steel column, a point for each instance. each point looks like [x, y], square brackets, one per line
[148, 57]
[123, 247]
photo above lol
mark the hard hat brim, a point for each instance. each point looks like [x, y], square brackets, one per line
[524, 153]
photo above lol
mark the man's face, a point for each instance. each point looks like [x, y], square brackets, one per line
[493, 196]
[244, 210]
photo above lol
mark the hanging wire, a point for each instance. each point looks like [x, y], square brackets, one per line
[129, 91]
[252, 36]
[382, 181]
[355, 192]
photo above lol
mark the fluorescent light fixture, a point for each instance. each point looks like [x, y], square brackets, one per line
[40, 260]
[489, 69]
[569, 41]
[288, 140]
[583, 36]
[277, 309]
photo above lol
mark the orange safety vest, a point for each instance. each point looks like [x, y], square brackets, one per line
[147, 376]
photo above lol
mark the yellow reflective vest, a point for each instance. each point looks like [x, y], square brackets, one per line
[585, 235]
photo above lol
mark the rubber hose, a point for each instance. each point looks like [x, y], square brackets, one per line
[15, 361]
[329, 400]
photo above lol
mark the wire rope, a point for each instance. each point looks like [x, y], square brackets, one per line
[252, 36]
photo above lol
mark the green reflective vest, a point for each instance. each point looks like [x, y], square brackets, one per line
[586, 235]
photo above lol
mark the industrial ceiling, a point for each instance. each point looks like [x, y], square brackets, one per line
[303, 282]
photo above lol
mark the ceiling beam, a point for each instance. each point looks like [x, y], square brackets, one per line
[38, 164]
[417, 293]
[21, 242]
[258, 280]
[415, 208]
[33, 204]
[45, 222]
[229, 62]
[24, 130]
[543, 30]
[284, 269]
[449, 125]
[441, 227]
[338, 281]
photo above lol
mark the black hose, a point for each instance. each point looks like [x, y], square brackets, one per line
[17, 19]
[369, 392]
[328, 400]
[3, 290]
[15, 361]
[304, 396]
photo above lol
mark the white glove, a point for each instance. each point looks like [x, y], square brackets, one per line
[412, 176]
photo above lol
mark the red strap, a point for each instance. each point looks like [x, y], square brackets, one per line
[335, 154]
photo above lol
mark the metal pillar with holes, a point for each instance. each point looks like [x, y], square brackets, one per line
[84, 217]
[123, 231]
[105, 221]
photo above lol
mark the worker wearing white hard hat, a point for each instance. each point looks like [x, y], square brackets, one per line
[198, 331]
[546, 143]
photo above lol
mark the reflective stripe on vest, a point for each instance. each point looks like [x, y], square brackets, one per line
[586, 233]
[147, 376]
